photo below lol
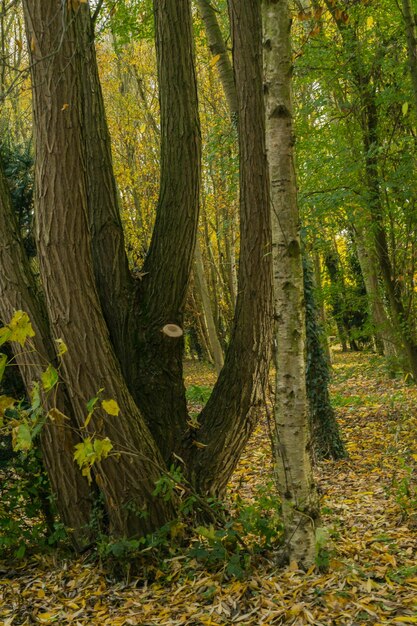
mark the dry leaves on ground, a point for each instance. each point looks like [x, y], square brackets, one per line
[369, 509]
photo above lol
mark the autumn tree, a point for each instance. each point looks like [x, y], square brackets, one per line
[111, 321]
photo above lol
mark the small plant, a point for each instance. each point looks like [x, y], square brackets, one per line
[406, 489]
[197, 394]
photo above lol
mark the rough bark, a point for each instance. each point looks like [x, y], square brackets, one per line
[293, 465]
[114, 283]
[64, 247]
[232, 410]
[169, 261]
[18, 291]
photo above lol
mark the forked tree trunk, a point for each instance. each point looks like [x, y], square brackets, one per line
[293, 466]
[18, 291]
[64, 197]
[126, 479]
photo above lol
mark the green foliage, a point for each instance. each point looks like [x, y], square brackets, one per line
[130, 19]
[198, 394]
[165, 487]
[405, 489]
[17, 162]
[27, 514]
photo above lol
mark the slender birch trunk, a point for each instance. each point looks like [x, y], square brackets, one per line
[293, 464]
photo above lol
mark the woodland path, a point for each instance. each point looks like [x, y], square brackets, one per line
[369, 510]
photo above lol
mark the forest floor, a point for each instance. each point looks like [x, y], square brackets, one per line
[368, 569]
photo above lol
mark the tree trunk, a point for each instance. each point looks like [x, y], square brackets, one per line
[300, 507]
[218, 50]
[234, 406]
[127, 478]
[18, 291]
[168, 264]
[215, 347]
[381, 323]
[327, 442]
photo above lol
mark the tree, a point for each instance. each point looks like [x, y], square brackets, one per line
[300, 508]
[110, 321]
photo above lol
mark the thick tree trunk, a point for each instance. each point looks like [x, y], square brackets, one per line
[293, 466]
[126, 479]
[18, 291]
[215, 347]
[233, 408]
[114, 283]
[168, 264]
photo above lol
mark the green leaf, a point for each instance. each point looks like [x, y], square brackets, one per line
[49, 378]
[405, 108]
[111, 407]
[3, 361]
[22, 437]
[5, 333]
[35, 397]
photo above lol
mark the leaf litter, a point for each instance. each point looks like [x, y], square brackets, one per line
[369, 508]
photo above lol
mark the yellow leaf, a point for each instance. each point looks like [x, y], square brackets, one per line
[405, 619]
[65, 106]
[5, 403]
[111, 407]
[47, 617]
[215, 60]
[61, 346]
[369, 22]
[19, 328]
